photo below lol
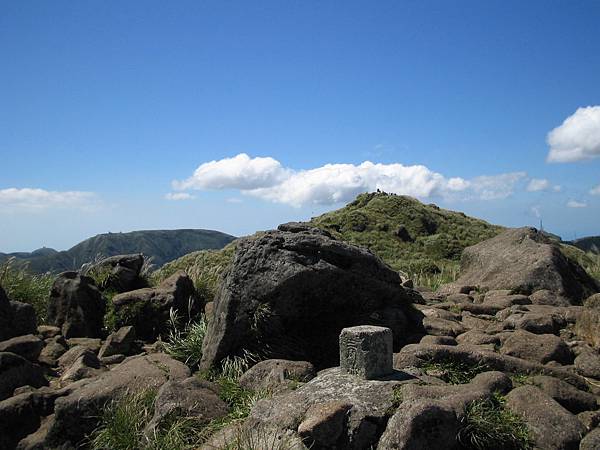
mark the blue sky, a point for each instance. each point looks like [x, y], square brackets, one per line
[111, 113]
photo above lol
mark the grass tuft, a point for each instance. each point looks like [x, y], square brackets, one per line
[454, 372]
[488, 425]
[185, 344]
[22, 286]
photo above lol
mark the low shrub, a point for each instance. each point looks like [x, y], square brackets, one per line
[454, 372]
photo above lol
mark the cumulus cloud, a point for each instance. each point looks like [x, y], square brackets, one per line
[576, 204]
[578, 138]
[39, 199]
[174, 196]
[267, 179]
[595, 190]
[239, 172]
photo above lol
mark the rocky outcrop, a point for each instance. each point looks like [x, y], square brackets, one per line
[120, 273]
[147, 310]
[523, 260]
[16, 371]
[16, 318]
[76, 306]
[291, 291]
[77, 413]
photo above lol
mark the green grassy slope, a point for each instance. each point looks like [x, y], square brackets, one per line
[410, 236]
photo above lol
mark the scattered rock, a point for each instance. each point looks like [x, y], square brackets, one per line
[147, 310]
[76, 306]
[28, 346]
[16, 371]
[438, 340]
[90, 343]
[546, 297]
[588, 365]
[119, 342]
[86, 365]
[568, 396]
[83, 406]
[276, 375]
[420, 425]
[55, 347]
[442, 327]
[48, 331]
[23, 319]
[551, 425]
[591, 441]
[540, 348]
[190, 397]
[324, 424]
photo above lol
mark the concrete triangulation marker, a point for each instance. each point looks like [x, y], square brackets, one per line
[366, 351]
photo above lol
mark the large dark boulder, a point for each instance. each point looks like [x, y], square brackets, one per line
[16, 318]
[120, 273]
[288, 293]
[76, 306]
[16, 371]
[523, 260]
[147, 310]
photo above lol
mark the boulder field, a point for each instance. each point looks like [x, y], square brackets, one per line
[516, 335]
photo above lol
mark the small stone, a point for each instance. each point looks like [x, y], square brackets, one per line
[366, 351]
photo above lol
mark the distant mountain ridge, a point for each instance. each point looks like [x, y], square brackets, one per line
[588, 244]
[162, 245]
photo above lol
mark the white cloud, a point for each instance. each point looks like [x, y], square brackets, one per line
[576, 204]
[578, 138]
[239, 172]
[179, 196]
[234, 200]
[595, 190]
[536, 211]
[557, 188]
[538, 184]
[34, 199]
[266, 178]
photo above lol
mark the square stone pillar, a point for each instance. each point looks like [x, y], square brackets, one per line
[366, 351]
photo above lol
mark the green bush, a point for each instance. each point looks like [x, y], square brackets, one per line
[22, 286]
[488, 425]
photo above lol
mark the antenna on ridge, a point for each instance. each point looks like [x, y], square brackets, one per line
[541, 225]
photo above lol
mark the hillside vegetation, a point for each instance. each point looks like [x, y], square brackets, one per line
[588, 244]
[410, 236]
[161, 245]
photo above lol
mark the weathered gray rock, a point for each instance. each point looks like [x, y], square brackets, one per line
[591, 441]
[93, 344]
[277, 375]
[442, 327]
[588, 365]
[551, 425]
[421, 425]
[28, 346]
[120, 342]
[23, 319]
[538, 323]
[77, 413]
[371, 404]
[546, 297]
[48, 331]
[324, 424]
[566, 395]
[190, 397]
[540, 348]
[120, 273]
[55, 347]
[293, 291]
[478, 337]
[438, 340]
[16, 371]
[523, 260]
[366, 351]
[71, 355]
[76, 306]
[147, 310]
[86, 365]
